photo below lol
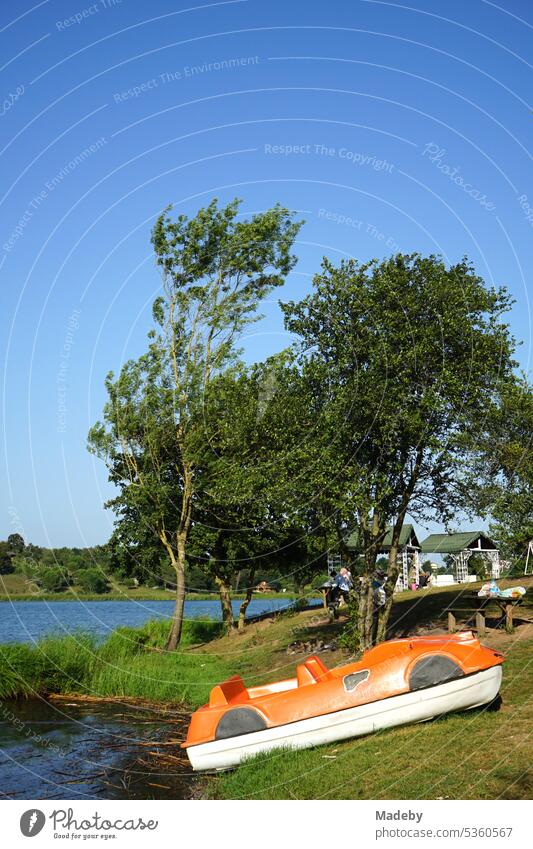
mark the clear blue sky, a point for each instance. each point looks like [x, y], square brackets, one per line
[392, 127]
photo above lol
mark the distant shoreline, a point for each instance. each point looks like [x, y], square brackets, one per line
[148, 595]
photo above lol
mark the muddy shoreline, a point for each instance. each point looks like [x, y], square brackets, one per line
[71, 746]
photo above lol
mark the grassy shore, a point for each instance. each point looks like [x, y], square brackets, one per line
[470, 755]
[16, 587]
[476, 755]
[130, 663]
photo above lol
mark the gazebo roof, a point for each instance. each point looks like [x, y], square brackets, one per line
[455, 543]
[407, 537]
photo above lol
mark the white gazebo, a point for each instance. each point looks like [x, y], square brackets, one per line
[460, 547]
[529, 557]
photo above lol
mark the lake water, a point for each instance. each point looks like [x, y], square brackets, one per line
[70, 749]
[27, 621]
[76, 750]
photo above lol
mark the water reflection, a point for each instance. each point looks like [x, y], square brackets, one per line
[72, 749]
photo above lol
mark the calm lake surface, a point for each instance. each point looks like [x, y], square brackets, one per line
[28, 621]
[75, 750]
[72, 750]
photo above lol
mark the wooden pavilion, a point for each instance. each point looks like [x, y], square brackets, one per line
[408, 556]
[460, 547]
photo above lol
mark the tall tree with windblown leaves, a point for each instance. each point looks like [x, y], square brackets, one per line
[215, 268]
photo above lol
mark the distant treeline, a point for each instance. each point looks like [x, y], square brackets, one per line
[55, 569]
[92, 568]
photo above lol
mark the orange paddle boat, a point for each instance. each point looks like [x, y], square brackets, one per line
[397, 682]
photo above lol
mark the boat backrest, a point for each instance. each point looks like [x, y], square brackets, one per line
[304, 675]
[312, 671]
[229, 691]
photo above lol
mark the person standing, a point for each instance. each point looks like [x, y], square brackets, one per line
[343, 585]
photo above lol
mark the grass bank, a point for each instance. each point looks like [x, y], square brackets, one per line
[130, 663]
[16, 587]
[469, 755]
[472, 755]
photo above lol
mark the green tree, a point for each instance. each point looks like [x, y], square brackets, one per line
[135, 549]
[6, 559]
[92, 581]
[237, 525]
[9, 551]
[215, 270]
[477, 565]
[402, 356]
[15, 543]
[52, 579]
[505, 469]
[299, 519]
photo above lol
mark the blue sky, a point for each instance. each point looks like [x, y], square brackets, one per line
[387, 126]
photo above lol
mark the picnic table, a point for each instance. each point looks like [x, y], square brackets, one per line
[480, 603]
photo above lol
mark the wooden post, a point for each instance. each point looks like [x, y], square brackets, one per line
[451, 623]
[509, 609]
[480, 623]
[325, 599]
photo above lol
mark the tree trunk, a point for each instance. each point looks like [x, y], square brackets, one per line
[220, 573]
[365, 616]
[176, 625]
[392, 577]
[225, 603]
[244, 606]
[365, 612]
[178, 562]
[392, 567]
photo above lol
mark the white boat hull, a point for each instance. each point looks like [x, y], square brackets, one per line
[417, 706]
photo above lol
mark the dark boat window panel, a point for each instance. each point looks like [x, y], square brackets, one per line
[435, 669]
[239, 721]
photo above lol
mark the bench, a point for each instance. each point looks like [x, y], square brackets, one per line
[480, 603]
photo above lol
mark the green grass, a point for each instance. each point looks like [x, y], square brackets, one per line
[429, 606]
[130, 663]
[55, 665]
[469, 755]
[474, 755]
[16, 587]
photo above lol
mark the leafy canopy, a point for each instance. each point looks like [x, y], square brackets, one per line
[402, 357]
[215, 269]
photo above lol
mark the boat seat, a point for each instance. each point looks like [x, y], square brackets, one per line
[312, 671]
[232, 690]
